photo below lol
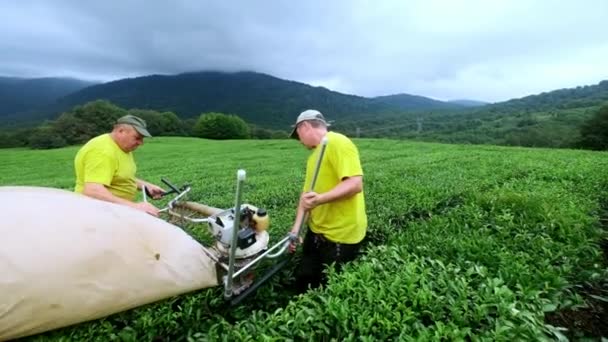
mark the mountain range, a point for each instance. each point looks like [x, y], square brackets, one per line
[25, 94]
[257, 98]
[271, 102]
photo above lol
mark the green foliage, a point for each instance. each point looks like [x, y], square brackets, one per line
[464, 242]
[594, 132]
[259, 132]
[549, 119]
[153, 120]
[187, 126]
[160, 124]
[6, 140]
[569, 98]
[171, 124]
[84, 122]
[97, 117]
[554, 128]
[46, 137]
[15, 138]
[546, 120]
[221, 126]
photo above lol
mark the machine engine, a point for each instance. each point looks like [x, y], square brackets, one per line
[252, 236]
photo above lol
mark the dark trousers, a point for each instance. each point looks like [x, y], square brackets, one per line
[318, 253]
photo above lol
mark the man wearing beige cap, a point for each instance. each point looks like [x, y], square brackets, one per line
[337, 221]
[105, 167]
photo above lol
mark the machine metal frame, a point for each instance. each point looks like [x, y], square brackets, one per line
[232, 270]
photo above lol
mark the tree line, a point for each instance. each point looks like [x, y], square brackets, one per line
[585, 128]
[83, 122]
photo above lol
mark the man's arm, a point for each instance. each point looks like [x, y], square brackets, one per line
[99, 191]
[309, 200]
[348, 187]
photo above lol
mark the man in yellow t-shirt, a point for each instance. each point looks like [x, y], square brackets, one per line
[105, 167]
[337, 220]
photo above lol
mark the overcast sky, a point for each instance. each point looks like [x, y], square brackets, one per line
[490, 50]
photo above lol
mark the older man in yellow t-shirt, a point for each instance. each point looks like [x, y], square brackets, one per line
[337, 219]
[105, 167]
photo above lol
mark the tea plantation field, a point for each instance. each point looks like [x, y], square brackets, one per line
[465, 243]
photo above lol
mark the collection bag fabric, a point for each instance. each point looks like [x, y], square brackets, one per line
[66, 258]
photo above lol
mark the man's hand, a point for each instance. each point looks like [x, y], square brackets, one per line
[310, 200]
[155, 191]
[348, 187]
[146, 207]
[293, 244]
[100, 192]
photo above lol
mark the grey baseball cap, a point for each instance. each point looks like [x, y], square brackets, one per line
[138, 123]
[309, 114]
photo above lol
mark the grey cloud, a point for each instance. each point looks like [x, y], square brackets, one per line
[487, 50]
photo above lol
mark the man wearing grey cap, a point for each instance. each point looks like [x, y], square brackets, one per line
[337, 221]
[105, 167]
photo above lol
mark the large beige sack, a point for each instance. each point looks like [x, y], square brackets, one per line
[66, 258]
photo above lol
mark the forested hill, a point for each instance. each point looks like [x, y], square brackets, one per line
[549, 119]
[468, 103]
[577, 97]
[406, 102]
[24, 94]
[257, 98]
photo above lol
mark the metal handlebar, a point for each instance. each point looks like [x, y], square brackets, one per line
[241, 175]
[180, 193]
[287, 241]
[314, 181]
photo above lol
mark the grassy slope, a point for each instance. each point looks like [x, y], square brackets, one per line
[464, 240]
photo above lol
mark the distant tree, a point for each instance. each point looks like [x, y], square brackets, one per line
[74, 130]
[102, 114]
[258, 132]
[187, 126]
[46, 137]
[279, 135]
[6, 140]
[17, 138]
[86, 121]
[221, 126]
[594, 132]
[160, 124]
[154, 120]
[527, 122]
[172, 125]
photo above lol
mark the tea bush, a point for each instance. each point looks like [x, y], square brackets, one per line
[464, 242]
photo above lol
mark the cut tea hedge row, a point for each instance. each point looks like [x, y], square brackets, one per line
[465, 242]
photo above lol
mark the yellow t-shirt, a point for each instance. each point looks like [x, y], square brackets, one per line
[102, 161]
[343, 221]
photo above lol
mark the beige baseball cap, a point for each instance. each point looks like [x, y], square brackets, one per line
[309, 114]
